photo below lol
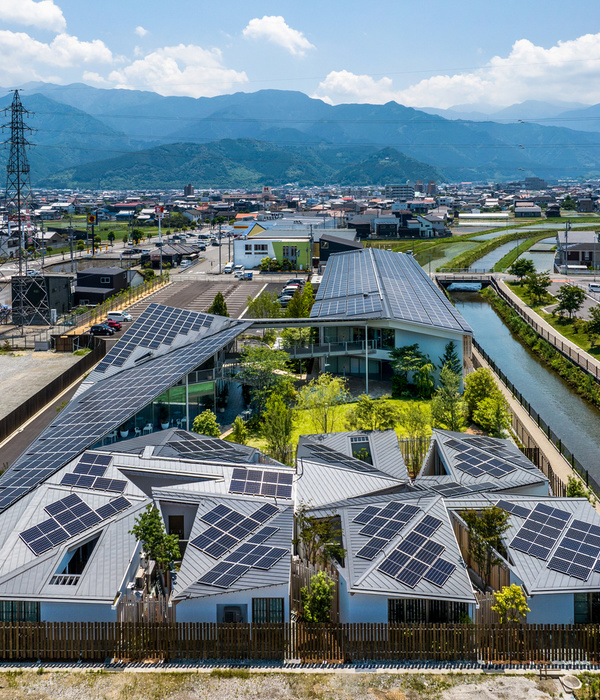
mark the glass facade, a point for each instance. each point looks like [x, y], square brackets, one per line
[267, 609]
[415, 610]
[19, 611]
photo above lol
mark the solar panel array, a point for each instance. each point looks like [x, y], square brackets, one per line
[89, 474]
[330, 456]
[577, 553]
[417, 557]
[410, 294]
[540, 531]
[382, 524]
[514, 508]
[252, 554]
[449, 489]
[207, 448]
[159, 325]
[500, 448]
[102, 408]
[228, 528]
[256, 482]
[68, 517]
[476, 462]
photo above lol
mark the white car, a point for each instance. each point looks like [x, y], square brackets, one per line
[119, 316]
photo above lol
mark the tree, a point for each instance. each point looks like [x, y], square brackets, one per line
[450, 358]
[486, 528]
[317, 598]
[372, 414]
[536, 284]
[219, 306]
[125, 239]
[265, 305]
[319, 539]
[295, 307]
[111, 237]
[409, 359]
[277, 426]
[493, 415]
[511, 604]
[568, 203]
[593, 325]
[263, 369]
[479, 385]
[80, 246]
[206, 424]
[148, 274]
[308, 298]
[321, 398]
[570, 299]
[424, 379]
[447, 407]
[577, 489]
[149, 529]
[239, 432]
[416, 421]
[521, 267]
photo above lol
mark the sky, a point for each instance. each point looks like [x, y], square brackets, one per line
[434, 54]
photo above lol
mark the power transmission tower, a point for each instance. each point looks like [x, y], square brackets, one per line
[30, 295]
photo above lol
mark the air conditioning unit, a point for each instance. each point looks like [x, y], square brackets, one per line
[232, 614]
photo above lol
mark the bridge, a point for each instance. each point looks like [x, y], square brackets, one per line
[445, 279]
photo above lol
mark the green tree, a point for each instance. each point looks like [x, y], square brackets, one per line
[308, 298]
[148, 274]
[536, 284]
[486, 528]
[570, 299]
[317, 598]
[577, 489]
[450, 358]
[479, 385]
[277, 427]
[263, 369]
[372, 414]
[321, 399]
[137, 235]
[295, 307]
[593, 325]
[219, 306]
[265, 305]
[125, 239]
[206, 424]
[149, 529]
[319, 540]
[111, 237]
[409, 360]
[239, 432]
[447, 407]
[424, 379]
[80, 246]
[511, 604]
[568, 203]
[521, 268]
[493, 415]
[416, 421]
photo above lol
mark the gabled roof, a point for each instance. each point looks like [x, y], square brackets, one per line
[375, 283]
[163, 345]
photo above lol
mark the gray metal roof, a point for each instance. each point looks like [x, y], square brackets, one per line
[114, 393]
[375, 283]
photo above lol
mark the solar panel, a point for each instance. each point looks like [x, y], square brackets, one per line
[382, 525]
[333, 457]
[577, 552]
[255, 482]
[540, 531]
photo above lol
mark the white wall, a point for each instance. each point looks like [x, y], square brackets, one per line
[77, 612]
[205, 609]
[553, 609]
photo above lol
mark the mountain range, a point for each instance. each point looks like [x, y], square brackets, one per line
[90, 137]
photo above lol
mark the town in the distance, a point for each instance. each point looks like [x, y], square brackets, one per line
[290, 421]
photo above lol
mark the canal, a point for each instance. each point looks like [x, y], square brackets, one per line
[575, 422]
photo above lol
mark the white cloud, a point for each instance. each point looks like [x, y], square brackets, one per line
[91, 77]
[140, 31]
[180, 70]
[44, 14]
[25, 58]
[567, 71]
[275, 30]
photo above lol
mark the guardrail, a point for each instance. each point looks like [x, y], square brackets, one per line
[343, 348]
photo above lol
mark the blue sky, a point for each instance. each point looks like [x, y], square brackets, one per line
[434, 54]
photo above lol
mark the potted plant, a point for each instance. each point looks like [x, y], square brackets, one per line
[124, 430]
[163, 416]
[222, 398]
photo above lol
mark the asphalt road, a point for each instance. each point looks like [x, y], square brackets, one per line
[591, 298]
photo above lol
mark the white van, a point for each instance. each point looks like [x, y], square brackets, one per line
[119, 316]
[594, 287]
[228, 269]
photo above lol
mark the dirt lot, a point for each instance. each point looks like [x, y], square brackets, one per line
[230, 685]
[24, 372]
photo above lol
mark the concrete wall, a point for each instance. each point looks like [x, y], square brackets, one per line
[77, 612]
[205, 609]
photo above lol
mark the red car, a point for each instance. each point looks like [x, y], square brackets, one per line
[115, 325]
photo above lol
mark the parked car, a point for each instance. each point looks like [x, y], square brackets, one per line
[101, 329]
[228, 269]
[119, 316]
[215, 241]
[115, 325]
[290, 289]
[296, 280]
[285, 300]
[238, 271]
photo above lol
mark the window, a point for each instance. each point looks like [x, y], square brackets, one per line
[324, 244]
[176, 526]
[267, 609]
[19, 611]
[73, 563]
[415, 611]
[105, 280]
[290, 251]
[361, 448]
[248, 248]
[260, 248]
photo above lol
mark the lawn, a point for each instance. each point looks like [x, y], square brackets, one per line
[304, 426]
[565, 326]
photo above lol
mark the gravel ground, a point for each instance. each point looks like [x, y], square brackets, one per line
[235, 685]
[23, 373]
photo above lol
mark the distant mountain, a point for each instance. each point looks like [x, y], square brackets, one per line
[241, 163]
[530, 109]
[587, 119]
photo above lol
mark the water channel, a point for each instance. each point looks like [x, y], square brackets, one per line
[575, 422]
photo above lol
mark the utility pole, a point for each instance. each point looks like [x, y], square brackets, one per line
[219, 247]
[159, 211]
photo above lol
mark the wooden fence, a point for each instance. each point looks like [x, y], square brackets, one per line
[332, 643]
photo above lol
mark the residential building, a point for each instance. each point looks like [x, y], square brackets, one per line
[400, 192]
[96, 284]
